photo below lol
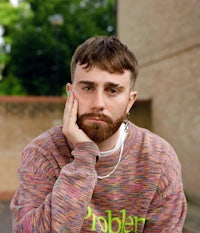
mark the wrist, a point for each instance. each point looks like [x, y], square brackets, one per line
[85, 153]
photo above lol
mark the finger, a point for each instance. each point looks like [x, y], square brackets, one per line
[67, 109]
[69, 102]
[70, 110]
[74, 110]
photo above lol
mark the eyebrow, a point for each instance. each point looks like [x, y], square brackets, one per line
[111, 84]
[108, 84]
[87, 83]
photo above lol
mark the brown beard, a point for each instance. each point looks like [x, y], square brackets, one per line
[99, 132]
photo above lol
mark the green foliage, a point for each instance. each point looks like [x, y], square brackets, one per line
[11, 18]
[40, 52]
[11, 86]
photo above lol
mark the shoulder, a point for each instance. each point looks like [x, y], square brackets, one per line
[52, 138]
[51, 147]
[152, 144]
[154, 161]
[153, 151]
[156, 154]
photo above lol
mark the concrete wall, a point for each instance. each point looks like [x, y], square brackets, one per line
[165, 36]
[24, 118]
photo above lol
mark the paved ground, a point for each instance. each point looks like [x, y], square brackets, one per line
[192, 223]
[5, 218]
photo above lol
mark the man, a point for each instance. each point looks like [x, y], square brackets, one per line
[99, 172]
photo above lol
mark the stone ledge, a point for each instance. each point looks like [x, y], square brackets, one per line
[53, 99]
[6, 196]
[18, 99]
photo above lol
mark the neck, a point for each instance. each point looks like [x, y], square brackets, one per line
[110, 142]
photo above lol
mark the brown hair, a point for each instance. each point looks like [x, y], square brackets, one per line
[107, 53]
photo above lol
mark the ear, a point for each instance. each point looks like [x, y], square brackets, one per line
[132, 99]
[68, 87]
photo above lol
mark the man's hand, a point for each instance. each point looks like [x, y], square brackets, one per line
[70, 128]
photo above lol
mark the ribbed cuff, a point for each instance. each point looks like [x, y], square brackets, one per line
[85, 154]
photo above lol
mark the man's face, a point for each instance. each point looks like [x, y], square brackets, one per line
[104, 99]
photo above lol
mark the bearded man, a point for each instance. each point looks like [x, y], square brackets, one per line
[98, 172]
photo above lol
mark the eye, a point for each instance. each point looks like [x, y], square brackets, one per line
[87, 88]
[112, 91]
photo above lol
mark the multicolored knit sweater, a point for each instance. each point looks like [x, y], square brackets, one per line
[59, 190]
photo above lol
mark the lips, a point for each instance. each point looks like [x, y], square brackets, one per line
[95, 118]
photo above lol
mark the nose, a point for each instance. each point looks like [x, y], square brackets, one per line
[98, 103]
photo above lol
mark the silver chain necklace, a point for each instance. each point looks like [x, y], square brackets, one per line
[118, 162]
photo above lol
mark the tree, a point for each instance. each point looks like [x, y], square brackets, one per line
[10, 19]
[41, 53]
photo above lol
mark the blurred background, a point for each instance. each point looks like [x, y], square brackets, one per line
[37, 40]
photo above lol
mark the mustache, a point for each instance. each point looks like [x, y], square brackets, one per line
[95, 115]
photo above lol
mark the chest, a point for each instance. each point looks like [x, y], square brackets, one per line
[120, 204]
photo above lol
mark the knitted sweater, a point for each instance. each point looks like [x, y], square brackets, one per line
[59, 190]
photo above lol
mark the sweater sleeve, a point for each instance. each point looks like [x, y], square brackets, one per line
[47, 203]
[168, 208]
